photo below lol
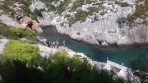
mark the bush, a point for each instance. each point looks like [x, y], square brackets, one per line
[20, 51]
[16, 63]
[59, 9]
[25, 9]
[58, 68]
[92, 10]
[27, 33]
[15, 33]
[81, 15]
[76, 4]
[122, 4]
[140, 10]
[17, 72]
[62, 6]
[89, 1]
[2, 29]
[7, 70]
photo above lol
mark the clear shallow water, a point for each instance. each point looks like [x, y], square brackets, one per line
[118, 55]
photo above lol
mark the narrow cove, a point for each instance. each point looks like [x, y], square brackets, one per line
[116, 54]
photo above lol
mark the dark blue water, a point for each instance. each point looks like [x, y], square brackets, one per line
[116, 54]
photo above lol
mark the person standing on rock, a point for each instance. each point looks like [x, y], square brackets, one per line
[53, 44]
[49, 44]
[64, 43]
[56, 43]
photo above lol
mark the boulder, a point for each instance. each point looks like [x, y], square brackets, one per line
[146, 20]
[28, 22]
[104, 44]
[139, 21]
[7, 20]
[25, 21]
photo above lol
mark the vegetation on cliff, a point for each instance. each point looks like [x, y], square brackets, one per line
[15, 33]
[58, 68]
[19, 50]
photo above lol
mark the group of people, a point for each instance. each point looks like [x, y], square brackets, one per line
[54, 44]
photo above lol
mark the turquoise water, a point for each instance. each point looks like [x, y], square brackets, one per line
[116, 54]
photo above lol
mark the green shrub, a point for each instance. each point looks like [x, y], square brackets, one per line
[122, 4]
[17, 50]
[67, 16]
[71, 21]
[140, 10]
[5, 7]
[62, 6]
[130, 19]
[59, 9]
[58, 68]
[17, 72]
[27, 33]
[89, 1]
[81, 15]
[76, 4]
[92, 10]
[2, 29]
[15, 33]
[7, 70]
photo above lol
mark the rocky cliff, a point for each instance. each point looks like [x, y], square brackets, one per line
[108, 24]
[100, 22]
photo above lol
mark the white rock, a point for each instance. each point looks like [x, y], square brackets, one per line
[2, 44]
[104, 44]
[36, 4]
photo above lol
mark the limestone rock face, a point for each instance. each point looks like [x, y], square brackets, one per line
[135, 35]
[106, 30]
[36, 4]
[6, 19]
[125, 40]
[140, 34]
[46, 18]
[111, 38]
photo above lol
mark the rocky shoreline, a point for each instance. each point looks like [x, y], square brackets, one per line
[141, 45]
[102, 34]
[110, 30]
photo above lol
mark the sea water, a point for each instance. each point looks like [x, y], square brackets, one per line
[116, 54]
